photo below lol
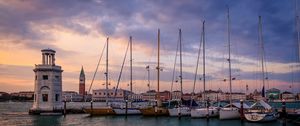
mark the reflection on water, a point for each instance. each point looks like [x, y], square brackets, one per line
[15, 113]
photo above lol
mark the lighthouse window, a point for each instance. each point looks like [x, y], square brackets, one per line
[56, 97]
[56, 77]
[45, 97]
[45, 77]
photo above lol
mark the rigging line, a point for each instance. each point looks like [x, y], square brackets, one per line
[97, 67]
[262, 54]
[120, 75]
[173, 74]
[196, 71]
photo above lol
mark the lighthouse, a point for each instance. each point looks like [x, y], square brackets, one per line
[47, 85]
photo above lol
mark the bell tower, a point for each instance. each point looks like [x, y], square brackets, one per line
[47, 85]
[82, 82]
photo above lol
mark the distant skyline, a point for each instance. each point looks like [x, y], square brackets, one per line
[77, 30]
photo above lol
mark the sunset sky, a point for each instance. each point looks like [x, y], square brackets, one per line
[77, 30]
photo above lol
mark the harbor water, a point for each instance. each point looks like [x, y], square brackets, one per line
[16, 113]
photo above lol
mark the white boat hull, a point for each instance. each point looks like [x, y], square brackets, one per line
[257, 117]
[229, 113]
[130, 111]
[203, 112]
[182, 111]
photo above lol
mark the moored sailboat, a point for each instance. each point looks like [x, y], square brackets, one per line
[230, 111]
[156, 110]
[207, 111]
[106, 110]
[127, 110]
[261, 111]
[180, 109]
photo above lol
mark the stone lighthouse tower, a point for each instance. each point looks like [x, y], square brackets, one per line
[82, 82]
[48, 85]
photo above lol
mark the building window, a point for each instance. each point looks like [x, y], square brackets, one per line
[45, 77]
[34, 97]
[103, 93]
[35, 77]
[95, 93]
[45, 97]
[100, 93]
[56, 77]
[56, 97]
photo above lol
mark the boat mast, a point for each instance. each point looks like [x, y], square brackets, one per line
[229, 55]
[196, 71]
[148, 71]
[130, 63]
[158, 68]
[297, 28]
[262, 55]
[203, 40]
[106, 73]
[180, 54]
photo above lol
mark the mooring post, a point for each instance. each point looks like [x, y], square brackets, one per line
[207, 107]
[283, 109]
[91, 107]
[242, 109]
[179, 112]
[65, 107]
[126, 107]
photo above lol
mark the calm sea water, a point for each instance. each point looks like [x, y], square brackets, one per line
[16, 113]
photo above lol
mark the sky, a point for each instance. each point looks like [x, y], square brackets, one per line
[77, 30]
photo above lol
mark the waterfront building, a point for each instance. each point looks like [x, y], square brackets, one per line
[149, 95]
[71, 96]
[235, 96]
[176, 94]
[273, 94]
[212, 95]
[47, 85]
[165, 95]
[287, 96]
[186, 96]
[26, 94]
[82, 82]
[4, 96]
[136, 97]
[110, 95]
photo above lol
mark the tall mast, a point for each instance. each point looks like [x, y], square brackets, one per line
[106, 73]
[180, 54]
[196, 71]
[203, 40]
[229, 54]
[262, 55]
[158, 67]
[130, 63]
[297, 28]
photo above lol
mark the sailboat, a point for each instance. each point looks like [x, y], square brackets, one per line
[207, 111]
[156, 110]
[261, 111]
[180, 110]
[127, 110]
[230, 111]
[107, 110]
